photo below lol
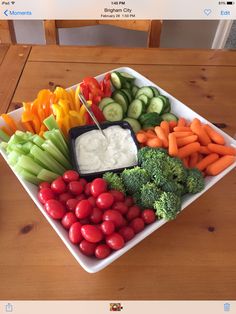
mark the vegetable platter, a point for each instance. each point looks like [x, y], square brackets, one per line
[135, 115]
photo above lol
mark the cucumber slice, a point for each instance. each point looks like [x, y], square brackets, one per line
[105, 101]
[169, 117]
[166, 102]
[134, 124]
[135, 109]
[116, 80]
[156, 105]
[146, 91]
[134, 90]
[127, 76]
[155, 91]
[127, 85]
[128, 94]
[122, 99]
[113, 112]
[144, 99]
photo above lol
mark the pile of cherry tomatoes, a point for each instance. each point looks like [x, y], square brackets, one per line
[99, 220]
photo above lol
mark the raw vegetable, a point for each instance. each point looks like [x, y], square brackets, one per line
[220, 165]
[114, 181]
[195, 181]
[134, 179]
[168, 206]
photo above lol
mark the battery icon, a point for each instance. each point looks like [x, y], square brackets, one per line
[230, 2]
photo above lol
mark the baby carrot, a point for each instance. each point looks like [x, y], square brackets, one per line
[214, 136]
[150, 134]
[181, 122]
[203, 137]
[222, 150]
[196, 122]
[182, 129]
[9, 121]
[219, 165]
[186, 162]
[161, 134]
[182, 134]
[154, 142]
[204, 150]
[205, 162]
[172, 124]
[193, 159]
[173, 148]
[141, 138]
[181, 141]
[189, 149]
[165, 126]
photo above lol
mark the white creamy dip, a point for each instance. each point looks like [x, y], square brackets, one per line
[95, 153]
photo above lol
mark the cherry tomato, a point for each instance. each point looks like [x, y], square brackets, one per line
[102, 251]
[71, 204]
[87, 248]
[96, 215]
[58, 186]
[137, 224]
[55, 209]
[105, 200]
[83, 209]
[120, 207]
[118, 196]
[98, 186]
[129, 201]
[115, 241]
[92, 200]
[108, 227]
[70, 176]
[81, 197]
[114, 216]
[87, 189]
[91, 233]
[148, 216]
[127, 233]
[75, 234]
[43, 185]
[64, 197]
[84, 221]
[45, 194]
[75, 187]
[68, 220]
[83, 181]
[133, 212]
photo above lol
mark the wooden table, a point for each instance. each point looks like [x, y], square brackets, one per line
[193, 257]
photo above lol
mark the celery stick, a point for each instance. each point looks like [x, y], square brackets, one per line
[27, 147]
[45, 158]
[29, 164]
[38, 140]
[51, 123]
[13, 157]
[16, 147]
[56, 140]
[24, 136]
[46, 175]
[4, 145]
[15, 140]
[4, 136]
[54, 151]
[29, 177]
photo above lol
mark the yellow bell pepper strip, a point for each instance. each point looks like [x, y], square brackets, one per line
[66, 124]
[30, 117]
[9, 121]
[41, 113]
[26, 106]
[63, 103]
[77, 101]
[72, 99]
[75, 118]
[82, 114]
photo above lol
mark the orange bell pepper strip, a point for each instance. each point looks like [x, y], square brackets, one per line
[28, 126]
[6, 130]
[10, 122]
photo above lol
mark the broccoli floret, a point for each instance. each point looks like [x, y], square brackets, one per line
[114, 181]
[174, 187]
[176, 169]
[134, 179]
[149, 194]
[195, 181]
[168, 205]
[147, 153]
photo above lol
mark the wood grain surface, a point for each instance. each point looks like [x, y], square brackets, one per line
[191, 258]
[10, 72]
[3, 51]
